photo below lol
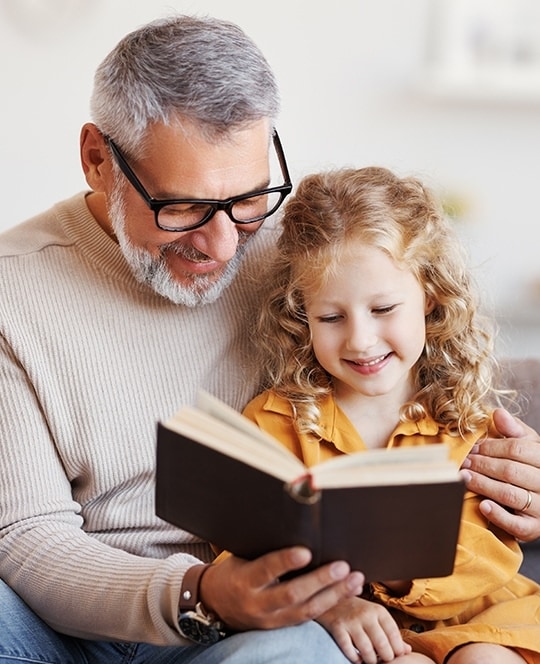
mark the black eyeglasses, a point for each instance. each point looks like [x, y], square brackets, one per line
[185, 214]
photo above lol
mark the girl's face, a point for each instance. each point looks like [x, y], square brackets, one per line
[368, 325]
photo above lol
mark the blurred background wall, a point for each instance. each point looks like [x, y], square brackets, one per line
[445, 89]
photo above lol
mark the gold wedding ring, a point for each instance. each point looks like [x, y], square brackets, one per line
[528, 503]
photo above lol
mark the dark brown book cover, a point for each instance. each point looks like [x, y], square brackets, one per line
[388, 532]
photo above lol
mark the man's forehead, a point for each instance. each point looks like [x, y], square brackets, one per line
[177, 164]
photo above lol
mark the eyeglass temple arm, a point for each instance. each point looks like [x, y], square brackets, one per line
[281, 156]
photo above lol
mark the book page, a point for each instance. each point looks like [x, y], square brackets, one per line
[396, 465]
[221, 411]
[266, 455]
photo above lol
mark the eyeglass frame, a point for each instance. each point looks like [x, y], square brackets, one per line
[156, 204]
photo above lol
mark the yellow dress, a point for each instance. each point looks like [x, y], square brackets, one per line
[485, 599]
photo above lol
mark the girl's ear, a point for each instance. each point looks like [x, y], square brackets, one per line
[429, 305]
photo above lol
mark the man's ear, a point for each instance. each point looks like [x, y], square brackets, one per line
[95, 159]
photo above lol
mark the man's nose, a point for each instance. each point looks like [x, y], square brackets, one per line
[218, 238]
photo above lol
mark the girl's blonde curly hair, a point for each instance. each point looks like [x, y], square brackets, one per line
[328, 214]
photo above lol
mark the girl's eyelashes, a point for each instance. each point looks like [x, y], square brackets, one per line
[329, 318]
[385, 310]
[333, 318]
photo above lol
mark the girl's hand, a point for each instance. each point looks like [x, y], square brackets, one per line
[365, 631]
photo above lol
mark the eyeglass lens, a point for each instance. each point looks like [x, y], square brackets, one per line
[246, 210]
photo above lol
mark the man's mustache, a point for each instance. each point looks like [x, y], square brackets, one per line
[190, 253]
[185, 251]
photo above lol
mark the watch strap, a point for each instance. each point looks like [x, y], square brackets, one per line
[189, 593]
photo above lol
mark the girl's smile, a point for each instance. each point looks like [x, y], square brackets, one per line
[367, 324]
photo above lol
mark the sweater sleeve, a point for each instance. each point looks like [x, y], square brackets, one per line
[75, 582]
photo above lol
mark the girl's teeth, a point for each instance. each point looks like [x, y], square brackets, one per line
[371, 362]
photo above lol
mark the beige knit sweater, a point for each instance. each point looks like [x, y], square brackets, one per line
[89, 362]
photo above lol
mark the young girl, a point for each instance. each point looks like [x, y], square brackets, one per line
[371, 338]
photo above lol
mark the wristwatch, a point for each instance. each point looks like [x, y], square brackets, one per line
[194, 622]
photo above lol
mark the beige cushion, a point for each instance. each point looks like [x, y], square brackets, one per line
[523, 375]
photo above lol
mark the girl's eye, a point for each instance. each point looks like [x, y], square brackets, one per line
[384, 310]
[333, 318]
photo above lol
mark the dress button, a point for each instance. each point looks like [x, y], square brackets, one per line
[417, 627]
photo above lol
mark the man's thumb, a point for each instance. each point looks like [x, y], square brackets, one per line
[507, 425]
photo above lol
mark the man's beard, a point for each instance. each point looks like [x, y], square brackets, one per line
[154, 272]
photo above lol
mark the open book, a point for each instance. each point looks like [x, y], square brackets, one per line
[390, 513]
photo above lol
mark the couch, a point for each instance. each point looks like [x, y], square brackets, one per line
[524, 376]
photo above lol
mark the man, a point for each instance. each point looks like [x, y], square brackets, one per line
[117, 305]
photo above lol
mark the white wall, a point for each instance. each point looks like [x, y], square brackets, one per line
[349, 74]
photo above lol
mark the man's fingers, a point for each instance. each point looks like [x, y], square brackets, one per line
[312, 593]
[252, 594]
[507, 472]
[505, 507]
[523, 527]
[504, 482]
[298, 603]
[508, 425]
[266, 570]
[514, 461]
[510, 496]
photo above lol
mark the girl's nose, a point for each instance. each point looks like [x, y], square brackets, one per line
[362, 335]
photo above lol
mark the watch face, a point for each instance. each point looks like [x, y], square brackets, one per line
[197, 629]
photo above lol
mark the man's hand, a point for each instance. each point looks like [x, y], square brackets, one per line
[505, 470]
[247, 594]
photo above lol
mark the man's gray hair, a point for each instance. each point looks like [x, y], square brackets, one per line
[200, 69]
